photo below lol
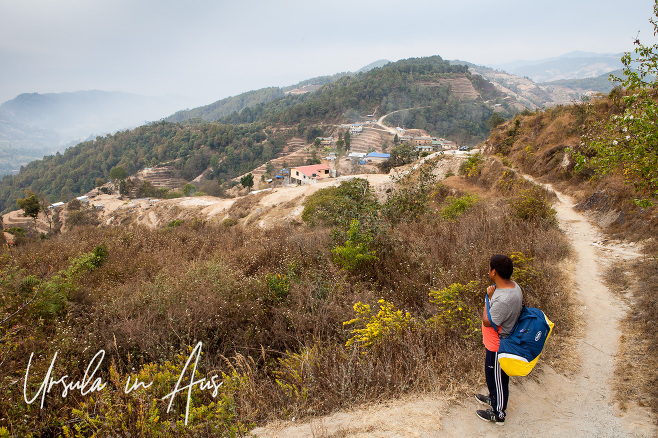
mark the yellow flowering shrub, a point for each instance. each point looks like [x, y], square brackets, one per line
[524, 272]
[374, 328]
[457, 308]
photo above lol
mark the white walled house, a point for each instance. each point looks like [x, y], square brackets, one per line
[310, 174]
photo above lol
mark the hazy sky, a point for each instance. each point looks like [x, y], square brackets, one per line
[208, 49]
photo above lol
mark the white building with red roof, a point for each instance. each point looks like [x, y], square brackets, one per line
[310, 174]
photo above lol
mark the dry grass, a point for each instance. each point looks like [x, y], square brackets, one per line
[273, 303]
[539, 144]
[637, 363]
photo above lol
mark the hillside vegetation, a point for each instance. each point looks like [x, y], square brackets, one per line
[549, 143]
[411, 83]
[377, 298]
[224, 107]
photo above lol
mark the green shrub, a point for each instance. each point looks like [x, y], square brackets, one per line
[458, 307]
[507, 180]
[175, 223]
[278, 285]
[229, 222]
[458, 206]
[410, 202]
[143, 412]
[54, 294]
[533, 205]
[352, 199]
[355, 253]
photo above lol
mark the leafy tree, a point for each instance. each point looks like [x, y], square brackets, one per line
[628, 143]
[74, 205]
[126, 186]
[247, 181]
[214, 162]
[396, 139]
[495, 120]
[190, 189]
[118, 173]
[31, 206]
[348, 140]
[147, 190]
[402, 154]
[317, 142]
[314, 132]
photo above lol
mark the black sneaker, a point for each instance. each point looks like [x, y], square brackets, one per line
[490, 415]
[484, 399]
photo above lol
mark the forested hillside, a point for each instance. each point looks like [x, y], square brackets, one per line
[244, 140]
[222, 108]
[411, 83]
[190, 149]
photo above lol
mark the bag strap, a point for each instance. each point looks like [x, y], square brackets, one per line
[486, 299]
[516, 324]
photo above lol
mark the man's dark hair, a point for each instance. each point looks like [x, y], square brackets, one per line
[502, 264]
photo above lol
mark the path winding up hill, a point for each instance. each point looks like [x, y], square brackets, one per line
[547, 403]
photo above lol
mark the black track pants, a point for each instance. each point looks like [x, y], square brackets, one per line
[497, 382]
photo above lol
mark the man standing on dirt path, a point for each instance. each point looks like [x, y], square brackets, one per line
[505, 304]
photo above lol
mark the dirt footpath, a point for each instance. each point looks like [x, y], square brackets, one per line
[547, 403]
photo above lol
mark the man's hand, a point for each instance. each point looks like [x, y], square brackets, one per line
[490, 290]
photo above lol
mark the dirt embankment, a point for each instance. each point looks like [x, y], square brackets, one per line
[264, 208]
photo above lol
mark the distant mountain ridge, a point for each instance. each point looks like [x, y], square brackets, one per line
[574, 65]
[80, 114]
[33, 125]
[376, 64]
[599, 84]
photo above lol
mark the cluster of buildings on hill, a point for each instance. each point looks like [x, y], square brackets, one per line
[84, 199]
[422, 143]
[304, 174]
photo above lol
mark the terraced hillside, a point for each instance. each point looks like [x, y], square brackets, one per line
[370, 139]
[161, 177]
[461, 87]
